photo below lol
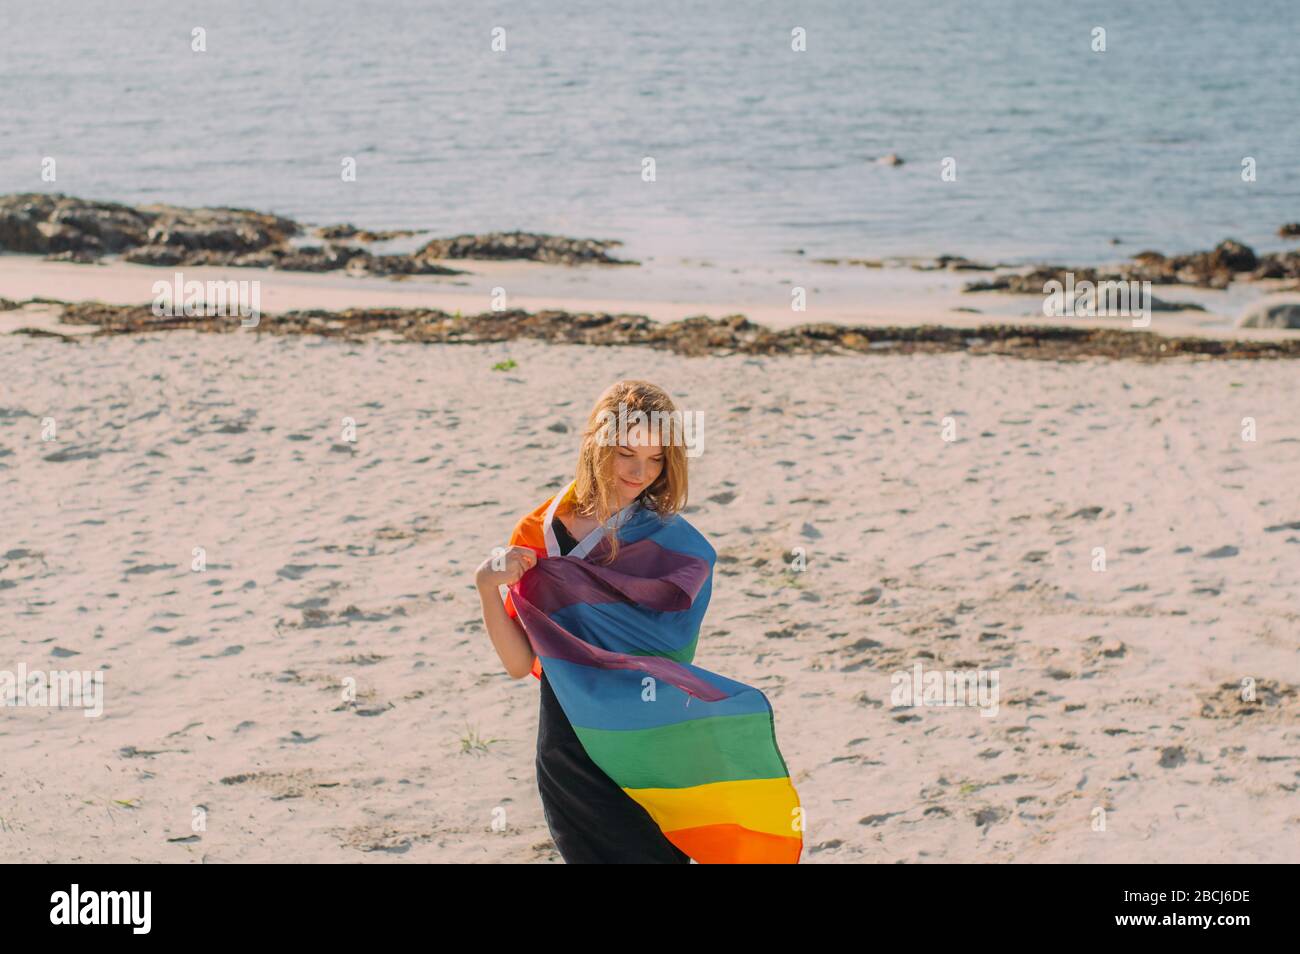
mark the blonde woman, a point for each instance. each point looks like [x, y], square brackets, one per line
[641, 757]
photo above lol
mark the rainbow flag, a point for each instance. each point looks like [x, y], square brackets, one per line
[697, 750]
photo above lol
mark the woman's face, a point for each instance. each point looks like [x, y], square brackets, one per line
[637, 464]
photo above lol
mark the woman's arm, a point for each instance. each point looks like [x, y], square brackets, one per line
[508, 636]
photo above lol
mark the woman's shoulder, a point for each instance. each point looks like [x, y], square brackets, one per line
[528, 530]
[677, 533]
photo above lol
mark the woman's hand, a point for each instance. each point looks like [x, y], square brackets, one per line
[505, 569]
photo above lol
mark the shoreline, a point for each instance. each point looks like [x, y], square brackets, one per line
[153, 230]
[59, 247]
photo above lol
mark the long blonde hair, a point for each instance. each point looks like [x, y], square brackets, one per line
[594, 490]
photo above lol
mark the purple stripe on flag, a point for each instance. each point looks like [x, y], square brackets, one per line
[548, 638]
[644, 574]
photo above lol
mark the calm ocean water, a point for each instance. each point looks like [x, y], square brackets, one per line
[759, 150]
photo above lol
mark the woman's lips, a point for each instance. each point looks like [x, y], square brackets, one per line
[629, 483]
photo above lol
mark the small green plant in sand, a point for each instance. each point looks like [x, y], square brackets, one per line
[472, 743]
[505, 365]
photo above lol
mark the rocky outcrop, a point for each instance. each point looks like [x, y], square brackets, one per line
[327, 258]
[955, 263]
[1032, 282]
[351, 232]
[1271, 313]
[41, 224]
[1229, 261]
[1159, 304]
[75, 229]
[553, 249]
[1278, 265]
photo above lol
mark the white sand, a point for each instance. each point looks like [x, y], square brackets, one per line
[232, 443]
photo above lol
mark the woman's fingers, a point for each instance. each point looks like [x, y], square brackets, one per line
[520, 562]
[517, 562]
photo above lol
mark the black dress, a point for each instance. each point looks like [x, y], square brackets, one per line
[592, 820]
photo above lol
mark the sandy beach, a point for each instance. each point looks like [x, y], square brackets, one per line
[331, 563]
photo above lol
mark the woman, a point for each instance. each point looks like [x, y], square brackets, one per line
[617, 632]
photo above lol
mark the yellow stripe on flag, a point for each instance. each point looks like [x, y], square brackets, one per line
[759, 804]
